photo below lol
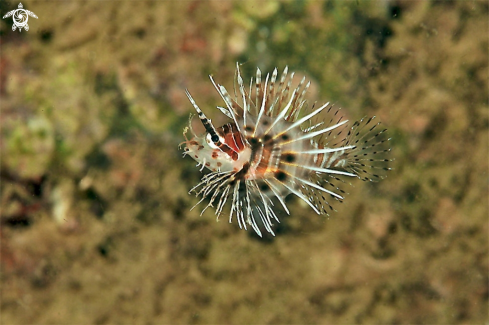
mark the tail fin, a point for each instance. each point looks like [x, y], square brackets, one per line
[365, 154]
[369, 157]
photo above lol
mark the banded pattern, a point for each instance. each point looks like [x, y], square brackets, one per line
[271, 149]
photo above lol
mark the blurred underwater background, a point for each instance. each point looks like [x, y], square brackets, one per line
[95, 214]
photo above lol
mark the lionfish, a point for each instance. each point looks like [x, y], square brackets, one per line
[269, 149]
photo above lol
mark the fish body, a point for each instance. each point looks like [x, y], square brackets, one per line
[272, 148]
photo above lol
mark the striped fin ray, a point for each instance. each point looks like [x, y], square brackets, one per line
[271, 93]
[246, 104]
[321, 200]
[311, 135]
[252, 207]
[330, 139]
[257, 89]
[301, 102]
[299, 122]
[279, 96]
[369, 158]
[296, 102]
[262, 108]
[233, 107]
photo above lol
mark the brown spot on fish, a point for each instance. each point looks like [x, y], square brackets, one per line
[289, 157]
[280, 175]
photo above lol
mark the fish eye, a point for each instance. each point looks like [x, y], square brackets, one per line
[210, 140]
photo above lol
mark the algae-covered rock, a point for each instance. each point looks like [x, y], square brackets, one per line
[28, 145]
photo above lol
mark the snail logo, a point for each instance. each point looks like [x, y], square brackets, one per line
[20, 17]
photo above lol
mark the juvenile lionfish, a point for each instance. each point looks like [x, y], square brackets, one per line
[269, 149]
